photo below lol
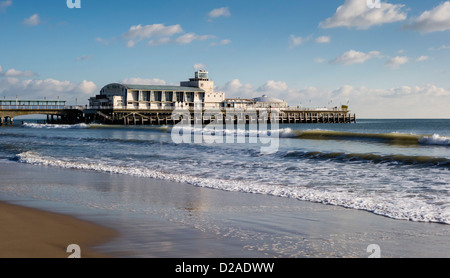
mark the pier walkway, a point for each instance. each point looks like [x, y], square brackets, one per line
[58, 112]
[165, 116]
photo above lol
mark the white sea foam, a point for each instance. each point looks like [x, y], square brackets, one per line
[55, 126]
[436, 139]
[398, 205]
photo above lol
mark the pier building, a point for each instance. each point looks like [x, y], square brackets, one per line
[135, 104]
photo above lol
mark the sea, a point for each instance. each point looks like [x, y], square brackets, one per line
[395, 168]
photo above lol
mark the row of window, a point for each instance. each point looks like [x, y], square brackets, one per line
[165, 96]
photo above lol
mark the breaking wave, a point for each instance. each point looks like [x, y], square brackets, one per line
[393, 138]
[374, 158]
[55, 126]
[397, 205]
[436, 139]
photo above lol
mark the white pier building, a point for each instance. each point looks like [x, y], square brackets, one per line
[197, 93]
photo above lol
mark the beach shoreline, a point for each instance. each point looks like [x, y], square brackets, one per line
[183, 221]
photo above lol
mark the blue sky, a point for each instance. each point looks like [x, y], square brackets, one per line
[385, 61]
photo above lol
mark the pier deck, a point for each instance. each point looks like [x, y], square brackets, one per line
[165, 117]
[58, 112]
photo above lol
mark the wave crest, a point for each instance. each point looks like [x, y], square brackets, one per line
[55, 126]
[436, 139]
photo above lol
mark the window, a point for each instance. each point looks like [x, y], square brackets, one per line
[180, 97]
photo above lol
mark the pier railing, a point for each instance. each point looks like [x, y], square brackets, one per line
[288, 109]
[32, 105]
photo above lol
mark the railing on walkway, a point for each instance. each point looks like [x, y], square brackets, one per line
[32, 104]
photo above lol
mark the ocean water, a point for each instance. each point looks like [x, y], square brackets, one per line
[394, 168]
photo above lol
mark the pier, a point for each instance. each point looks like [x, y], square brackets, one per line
[56, 111]
[196, 100]
[238, 116]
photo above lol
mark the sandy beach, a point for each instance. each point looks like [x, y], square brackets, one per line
[32, 233]
[173, 220]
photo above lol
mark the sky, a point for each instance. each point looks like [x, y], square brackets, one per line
[385, 59]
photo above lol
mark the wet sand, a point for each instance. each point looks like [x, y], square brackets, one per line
[161, 219]
[32, 233]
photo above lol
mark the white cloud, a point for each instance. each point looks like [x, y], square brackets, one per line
[323, 39]
[137, 33]
[399, 102]
[355, 57]
[160, 41]
[437, 19]
[235, 88]
[48, 88]
[396, 102]
[442, 47]
[102, 41]
[32, 20]
[295, 41]
[199, 66]
[190, 37]
[272, 86]
[423, 101]
[422, 58]
[86, 87]
[356, 13]
[84, 58]
[143, 81]
[319, 60]
[396, 62]
[159, 34]
[183, 39]
[222, 42]
[224, 11]
[18, 73]
[5, 4]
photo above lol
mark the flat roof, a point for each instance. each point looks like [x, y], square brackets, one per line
[162, 88]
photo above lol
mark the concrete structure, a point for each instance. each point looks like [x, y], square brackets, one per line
[239, 103]
[201, 81]
[153, 104]
[197, 93]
